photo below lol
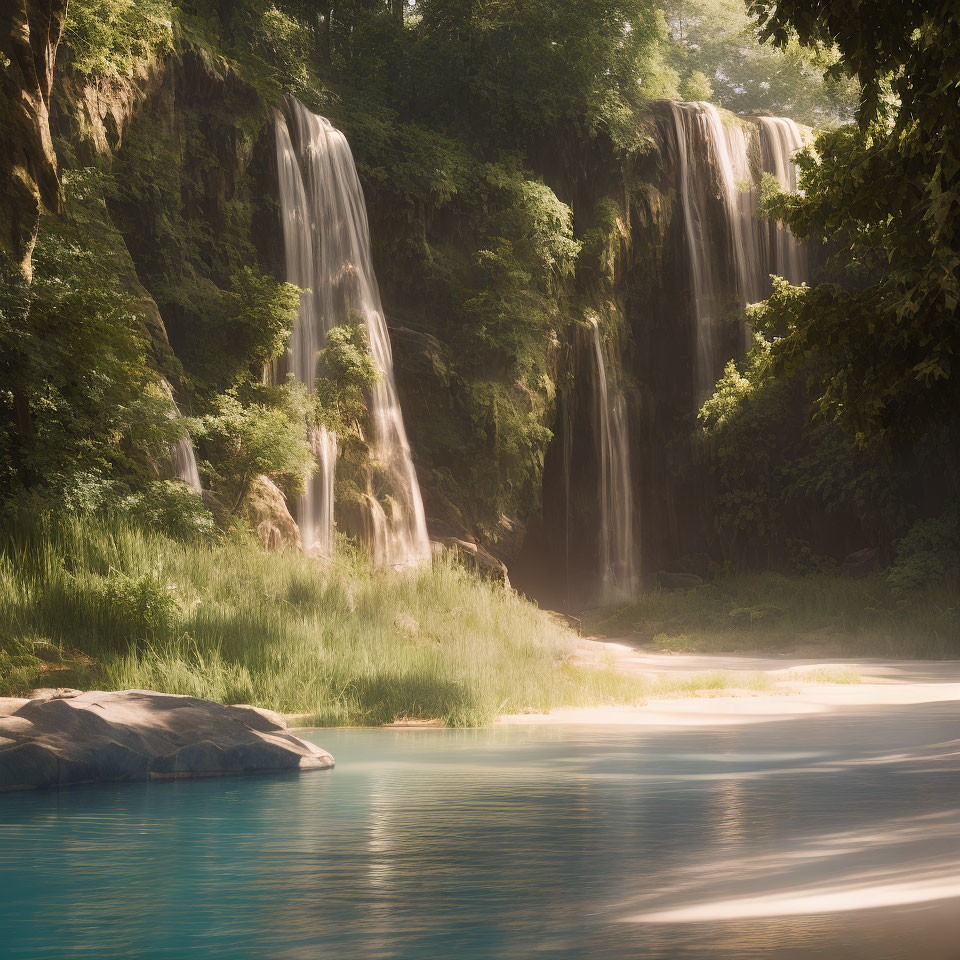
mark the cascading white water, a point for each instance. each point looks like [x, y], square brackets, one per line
[741, 204]
[183, 458]
[779, 142]
[327, 250]
[618, 559]
[184, 463]
[718, 222]
[732, 253]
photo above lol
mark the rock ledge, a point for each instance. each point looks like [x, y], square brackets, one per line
[139, 734]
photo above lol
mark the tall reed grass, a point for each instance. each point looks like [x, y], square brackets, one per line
[99, 602]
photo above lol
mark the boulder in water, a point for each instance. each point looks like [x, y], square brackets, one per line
[139, 735]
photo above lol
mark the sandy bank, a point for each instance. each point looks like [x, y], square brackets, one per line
[788, 694]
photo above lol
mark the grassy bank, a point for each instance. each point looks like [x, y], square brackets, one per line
[104, 604]
[813, 615]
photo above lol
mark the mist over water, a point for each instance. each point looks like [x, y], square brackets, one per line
[327, 252]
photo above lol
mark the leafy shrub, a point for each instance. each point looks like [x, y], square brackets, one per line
[350, 372]
[929, 553]
[697, 87]
[108, 37]
[804, 559]
[173, 507]
[124, 608]
[681, 643]
[243, 440]
[79, 403]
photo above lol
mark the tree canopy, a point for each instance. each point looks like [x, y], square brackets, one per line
[885, 198]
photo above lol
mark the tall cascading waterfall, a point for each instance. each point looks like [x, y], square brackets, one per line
[314, 507]
[732, 251]
[705, 255]
[719, 211]
[780, 140]
[618, 558]
[327, 252]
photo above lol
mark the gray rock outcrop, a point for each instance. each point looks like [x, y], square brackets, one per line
[138, 735]
[861, 563]
[265, 509]
[670, 580]
[29, 35]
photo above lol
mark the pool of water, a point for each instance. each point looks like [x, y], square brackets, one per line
[819, 837]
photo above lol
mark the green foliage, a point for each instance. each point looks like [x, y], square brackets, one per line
[79, 399]
[19, 667]
[171, 506]
[183, 200]
[278, 43]
[718, 55]
[124, 607]
[515, 71]
[258, 316]
[238, 330]
[777, 462]
[929, 553]
[244, 439]
[804, 559]
[350, 370]
[108, 38]
[697, 86]
[887, 197]
[818, 615]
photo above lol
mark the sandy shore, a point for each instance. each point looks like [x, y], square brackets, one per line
[881, 682]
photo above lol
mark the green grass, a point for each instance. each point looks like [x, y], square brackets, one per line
[838, 675]
[664, 687]
[815, 615]
[104, 604]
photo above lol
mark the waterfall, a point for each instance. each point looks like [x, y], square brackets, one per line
[183, 459]
[184, 462]
[719, 212]
[779, 142]
[616, 489]
[732, 252]
[327, 252]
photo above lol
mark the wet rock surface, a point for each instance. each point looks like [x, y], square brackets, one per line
[138, 735]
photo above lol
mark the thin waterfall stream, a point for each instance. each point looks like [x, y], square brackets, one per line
[182, 456]
[327, 254]
[780, 140]
[184, 462]
[617, 552]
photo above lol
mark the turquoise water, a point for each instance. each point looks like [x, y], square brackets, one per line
[554, 842]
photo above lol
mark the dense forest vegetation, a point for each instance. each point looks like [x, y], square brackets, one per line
[505, 150]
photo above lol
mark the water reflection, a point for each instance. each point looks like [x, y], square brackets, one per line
[775, 840]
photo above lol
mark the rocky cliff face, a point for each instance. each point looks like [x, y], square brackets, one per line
[174, 138]
[638, 278]
[505, 443]
[29, 36]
